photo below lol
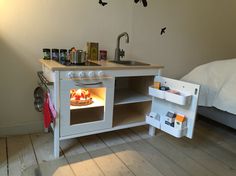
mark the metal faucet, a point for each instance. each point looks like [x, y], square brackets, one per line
[120, 53]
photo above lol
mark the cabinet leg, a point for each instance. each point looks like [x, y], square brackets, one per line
[56, 139]
[56, 148]
[152, 130]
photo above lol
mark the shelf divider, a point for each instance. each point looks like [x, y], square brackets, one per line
[126, 96]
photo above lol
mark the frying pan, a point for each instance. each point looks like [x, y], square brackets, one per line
[38, 98]
[38, 92]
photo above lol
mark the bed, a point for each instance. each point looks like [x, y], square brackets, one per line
[217, 98]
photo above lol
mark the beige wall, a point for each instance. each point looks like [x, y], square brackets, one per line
[198, 31]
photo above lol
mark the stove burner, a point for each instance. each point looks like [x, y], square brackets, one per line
[87, 63]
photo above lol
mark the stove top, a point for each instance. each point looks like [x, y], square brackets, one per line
[83, 64]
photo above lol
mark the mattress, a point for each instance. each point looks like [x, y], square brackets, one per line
[218, 84]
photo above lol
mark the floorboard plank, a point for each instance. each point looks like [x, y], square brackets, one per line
[125, 152]
[80, 161]
[156, 158]
[20, 154]
[214, 149]
[220, 134]
[3, 157]
[110, 164]
[43, 146]
[189, 165]
[132, 159]
[194, 152]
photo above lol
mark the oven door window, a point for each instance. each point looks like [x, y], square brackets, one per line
[85, 109]
[87, 105]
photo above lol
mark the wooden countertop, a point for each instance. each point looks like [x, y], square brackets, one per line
[105, 65]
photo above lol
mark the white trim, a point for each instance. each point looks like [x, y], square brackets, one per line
[57, 120]
[135, 124]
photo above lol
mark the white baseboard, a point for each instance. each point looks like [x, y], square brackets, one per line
[22, 128]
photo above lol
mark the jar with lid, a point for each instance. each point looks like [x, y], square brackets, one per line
[103, 54]
[68, 58]
[55, 54]
[63, 55]
[46, 53]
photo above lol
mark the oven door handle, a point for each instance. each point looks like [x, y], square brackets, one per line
[88, 84]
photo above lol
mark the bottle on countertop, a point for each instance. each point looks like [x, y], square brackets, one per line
[46, 53]
[55, 54]
[103, 54]
[68, 57]
[63, 56]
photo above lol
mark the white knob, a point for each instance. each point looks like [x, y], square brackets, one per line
[81, 74]
[71, 75]
[100, 73]
[91, 74]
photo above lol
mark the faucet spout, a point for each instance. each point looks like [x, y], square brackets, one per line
[120, 53]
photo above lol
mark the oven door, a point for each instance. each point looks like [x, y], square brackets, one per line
[80, 113]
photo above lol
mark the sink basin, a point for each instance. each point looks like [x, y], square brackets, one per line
[129, 63]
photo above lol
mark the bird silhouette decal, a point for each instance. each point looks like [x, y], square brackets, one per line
[143, 1]
[163, 30]
[102, 3]
[136, 1]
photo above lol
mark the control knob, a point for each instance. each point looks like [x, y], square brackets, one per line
[81, 74]
[91, 74]
[100, 73]
[71, 75]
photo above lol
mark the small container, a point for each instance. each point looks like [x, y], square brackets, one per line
[103, 55]
[68, 57]
[63, 55]
[46, 53]
[73, 57]
[55, 54]
[78, 57]
[92, 50]
[157, 85]
[164, 88]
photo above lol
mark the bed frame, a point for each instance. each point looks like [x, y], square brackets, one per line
[220, 116]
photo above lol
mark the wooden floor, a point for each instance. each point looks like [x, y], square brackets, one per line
[212, 152]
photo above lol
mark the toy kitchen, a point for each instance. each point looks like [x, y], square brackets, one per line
[102, 95]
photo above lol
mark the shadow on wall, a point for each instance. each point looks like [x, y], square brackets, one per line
[18, 80]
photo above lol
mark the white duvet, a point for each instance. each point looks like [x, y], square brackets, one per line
[218, 84]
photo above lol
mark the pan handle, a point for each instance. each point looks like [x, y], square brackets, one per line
[43, 79]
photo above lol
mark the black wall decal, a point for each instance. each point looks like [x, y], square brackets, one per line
[143, 1]
[102, 3]
[163, 30]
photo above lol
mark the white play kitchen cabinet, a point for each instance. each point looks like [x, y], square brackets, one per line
[122, 97]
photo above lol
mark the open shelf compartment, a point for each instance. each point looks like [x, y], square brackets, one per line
[126, 96]
[132, 89]
[128, 114]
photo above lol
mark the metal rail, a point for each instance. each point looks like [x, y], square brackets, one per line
[43, 80]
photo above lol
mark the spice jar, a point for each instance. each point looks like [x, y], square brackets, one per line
[103, 55]
[46, 53]
[68, 58]
[55, 54]
[63, 55]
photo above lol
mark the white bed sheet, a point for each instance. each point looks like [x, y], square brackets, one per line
[218, 84]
